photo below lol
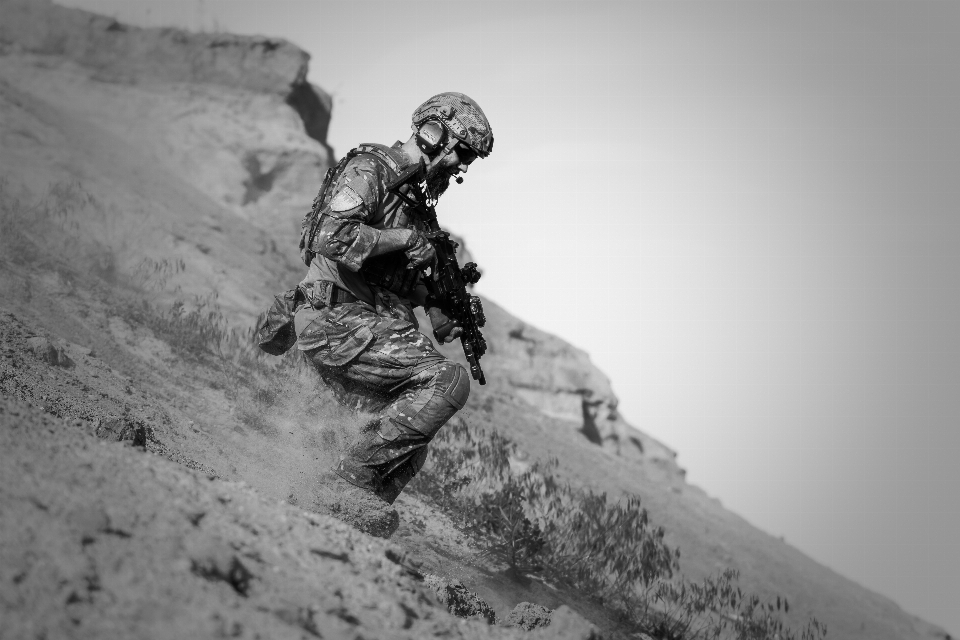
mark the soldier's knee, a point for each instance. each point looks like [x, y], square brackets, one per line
[456, 384]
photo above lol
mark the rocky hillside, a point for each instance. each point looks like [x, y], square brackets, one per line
[147, 173]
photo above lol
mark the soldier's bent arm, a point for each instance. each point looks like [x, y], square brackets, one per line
[344, 236]
[392, 240]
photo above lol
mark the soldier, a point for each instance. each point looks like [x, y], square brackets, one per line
[366, 249]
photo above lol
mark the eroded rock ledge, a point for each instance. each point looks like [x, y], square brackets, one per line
[561, 382]
[126, 54]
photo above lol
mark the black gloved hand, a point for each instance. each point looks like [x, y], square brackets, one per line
[445, 329]
[419, 250]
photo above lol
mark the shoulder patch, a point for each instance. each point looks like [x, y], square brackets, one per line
[346, 199]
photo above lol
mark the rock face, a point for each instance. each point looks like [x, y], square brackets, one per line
[230, 118]
[124, 54]
[135, 55]
[561, 382]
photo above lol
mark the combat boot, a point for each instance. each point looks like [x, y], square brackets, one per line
[362, 509]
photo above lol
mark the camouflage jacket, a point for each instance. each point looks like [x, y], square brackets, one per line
[359, 206]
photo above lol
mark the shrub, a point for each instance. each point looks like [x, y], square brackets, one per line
[190, 331]
[603, 548]
[152, 275]
[610, 550]
[251, 379]
[717, 607]
[499, 517]
[535, 524]
[67, 220]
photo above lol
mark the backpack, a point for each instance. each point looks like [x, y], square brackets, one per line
[310, 224]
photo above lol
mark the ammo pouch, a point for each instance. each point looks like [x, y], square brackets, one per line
[275, 332]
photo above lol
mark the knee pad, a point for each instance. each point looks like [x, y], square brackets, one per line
[456, 384]
[443, 389]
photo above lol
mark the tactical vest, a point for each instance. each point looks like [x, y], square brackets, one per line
[389, 270]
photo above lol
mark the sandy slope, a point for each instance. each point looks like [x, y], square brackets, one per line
[102, 540]
[133, 173]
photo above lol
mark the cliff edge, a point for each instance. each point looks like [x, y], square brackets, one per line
[125, 54]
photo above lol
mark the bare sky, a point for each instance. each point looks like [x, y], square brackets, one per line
[746, 212]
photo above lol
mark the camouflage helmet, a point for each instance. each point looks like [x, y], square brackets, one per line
[462, 117]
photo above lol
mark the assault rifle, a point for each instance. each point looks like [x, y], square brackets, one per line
[448, 291]
[447, 282]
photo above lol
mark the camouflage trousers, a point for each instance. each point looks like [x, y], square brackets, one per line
[377, 356]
